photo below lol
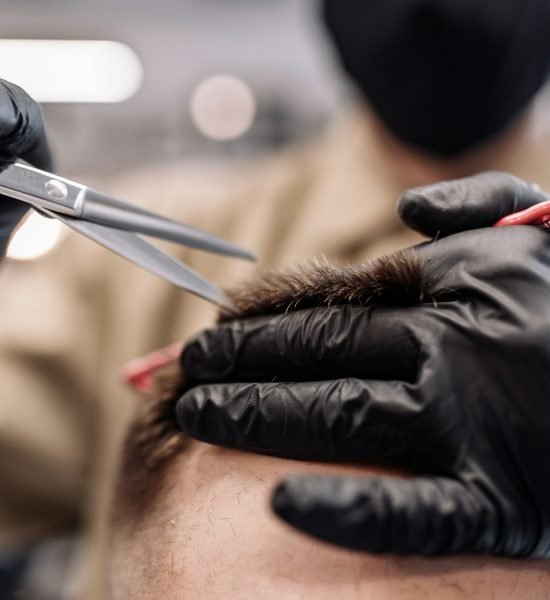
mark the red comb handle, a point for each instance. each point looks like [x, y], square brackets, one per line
[534, 215]
[139, 372]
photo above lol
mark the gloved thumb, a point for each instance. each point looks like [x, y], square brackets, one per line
[449, 207]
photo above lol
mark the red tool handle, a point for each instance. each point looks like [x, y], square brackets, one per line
[139, 372]
[539, 214]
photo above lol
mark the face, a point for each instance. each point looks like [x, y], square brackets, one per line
[210, 534]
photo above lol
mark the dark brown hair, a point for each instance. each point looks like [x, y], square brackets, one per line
[154, 440]
[397, 278]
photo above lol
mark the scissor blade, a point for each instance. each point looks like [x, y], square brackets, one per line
[145, 255]
[103, 209]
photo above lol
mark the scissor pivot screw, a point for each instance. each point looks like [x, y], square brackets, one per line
[56, 189]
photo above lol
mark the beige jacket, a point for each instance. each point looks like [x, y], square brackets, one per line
[71, 320]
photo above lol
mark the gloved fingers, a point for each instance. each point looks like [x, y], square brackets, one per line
[427, 516]
[327, 342]
[22, 135]
[11, 212]
[338, 420]
[22, 131]
[470, 203]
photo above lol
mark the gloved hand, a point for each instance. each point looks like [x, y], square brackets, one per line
[22, 135]
[454, 388]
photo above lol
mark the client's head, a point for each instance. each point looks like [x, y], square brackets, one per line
[193, 521]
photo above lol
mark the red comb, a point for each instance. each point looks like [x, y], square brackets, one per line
[535, 215]
[139, 372]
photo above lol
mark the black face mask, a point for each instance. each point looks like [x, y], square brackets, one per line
[444, 75]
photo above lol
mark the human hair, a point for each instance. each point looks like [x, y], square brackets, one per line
[154, 439]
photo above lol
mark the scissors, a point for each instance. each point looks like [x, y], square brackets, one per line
[116, 225]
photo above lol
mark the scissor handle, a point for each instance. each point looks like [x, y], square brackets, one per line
[42, 189]
[539, 214]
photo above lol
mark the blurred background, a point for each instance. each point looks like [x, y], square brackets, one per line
[283, 83]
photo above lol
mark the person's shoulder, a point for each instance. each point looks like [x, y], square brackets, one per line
[190, 188]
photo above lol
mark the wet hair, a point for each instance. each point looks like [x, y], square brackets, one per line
[154, 440]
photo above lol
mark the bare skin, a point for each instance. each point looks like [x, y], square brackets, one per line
[211, 535]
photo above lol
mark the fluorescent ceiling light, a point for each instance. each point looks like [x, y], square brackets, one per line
[71, 70]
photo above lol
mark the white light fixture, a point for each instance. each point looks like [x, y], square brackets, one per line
[71, 70]
[223, 107]
[36, 237]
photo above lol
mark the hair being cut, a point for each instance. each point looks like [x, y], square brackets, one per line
[154, 439]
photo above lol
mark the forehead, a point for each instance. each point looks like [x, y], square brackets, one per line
[210, 534]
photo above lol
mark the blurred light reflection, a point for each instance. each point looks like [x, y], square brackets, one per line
[72, 70]
[36, 237]
[223, 107]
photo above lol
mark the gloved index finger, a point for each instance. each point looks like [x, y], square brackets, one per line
[470, 203]
[336, 341]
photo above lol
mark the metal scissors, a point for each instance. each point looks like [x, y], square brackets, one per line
[116, 225]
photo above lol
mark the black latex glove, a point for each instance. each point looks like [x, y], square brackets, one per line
[22, 135]
[456, 390]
